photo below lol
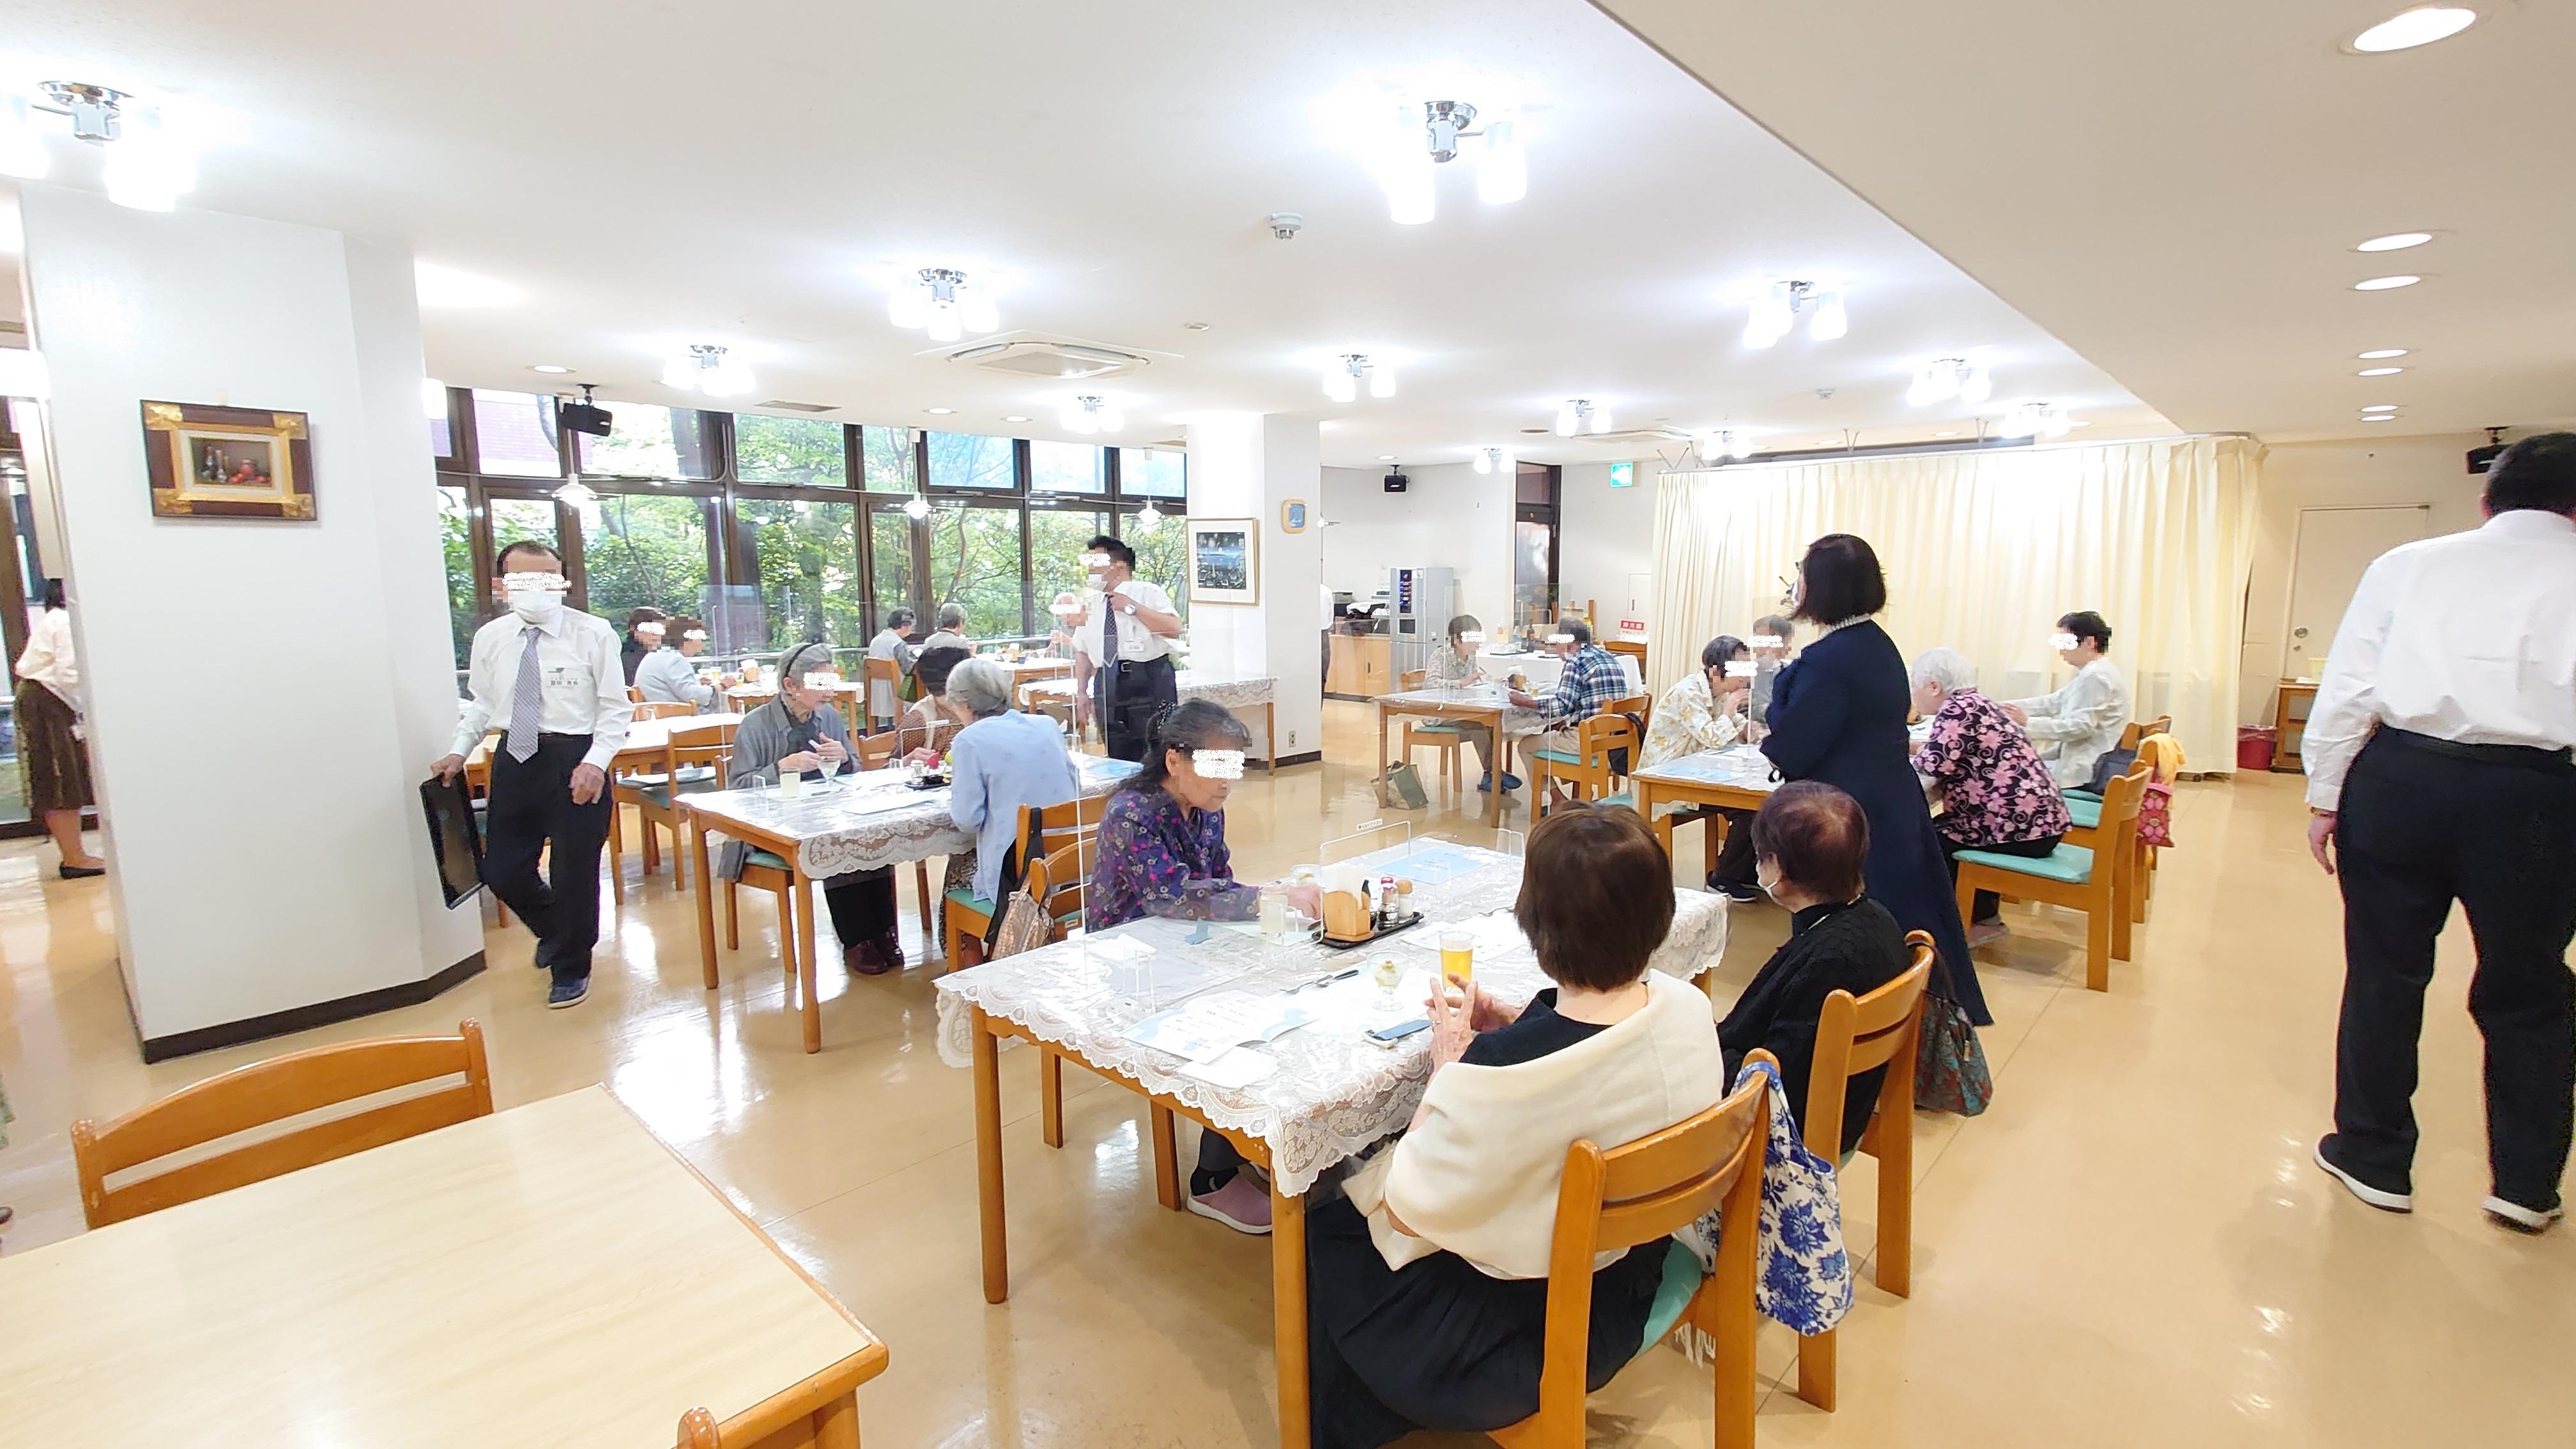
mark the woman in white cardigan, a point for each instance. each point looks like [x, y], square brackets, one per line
[1428, 1286]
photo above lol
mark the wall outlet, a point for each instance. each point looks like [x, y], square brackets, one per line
[1292, 739]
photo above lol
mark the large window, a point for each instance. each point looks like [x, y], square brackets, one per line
[805, 555]
[514, 434]
[1068, 468]
[1056, 539]
[970, 461]
[1152, 473]
[524, 520]
[456, 541]
[889, 566]
[788, 450]
[649, 442]
[887, 454]
[1162, 554]
[642, 548]
[975, 561]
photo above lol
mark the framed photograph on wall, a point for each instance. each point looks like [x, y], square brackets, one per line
[211, 462]
[1225, 561]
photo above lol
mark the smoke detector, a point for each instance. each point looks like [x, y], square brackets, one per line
[1285, 225]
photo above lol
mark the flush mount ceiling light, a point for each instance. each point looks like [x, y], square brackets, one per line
[1405, 142]
[548, 367]
[1016, 418]
[1725, 443]
[2377, 353]
[917, 507]
[1489, 459]
[939, 412]
[149, 166]
[2037, 420]
[2385, 284]
[707, 368]
[1343, 374]
[1089, 414]
[1945, 378]
[1575, 413]
[2395, 241]
[577, 493]
[2379, 417]
[1775, 312]
[2379, 372]
[2410, 28]
[943, 301]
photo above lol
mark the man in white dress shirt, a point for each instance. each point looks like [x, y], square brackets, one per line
[552, 676]
[2075, 727]
[2439, 769]
[1131, 630]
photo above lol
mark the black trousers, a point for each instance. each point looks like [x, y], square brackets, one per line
[1137, 693]
[1990, 904]
[532, 805]
[1735, 858]
[864, 909]
[2418, 829]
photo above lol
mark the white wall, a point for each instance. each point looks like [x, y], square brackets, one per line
[1606, 541]
[2350, 472]
[1449, 516]
[263, 696]
[1247, 465]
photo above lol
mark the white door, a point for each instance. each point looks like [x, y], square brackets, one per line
[2335, 545]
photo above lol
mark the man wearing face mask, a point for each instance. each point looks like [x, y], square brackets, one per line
[1130, 634]
[552, 677]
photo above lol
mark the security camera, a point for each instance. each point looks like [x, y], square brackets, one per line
[1286, 224]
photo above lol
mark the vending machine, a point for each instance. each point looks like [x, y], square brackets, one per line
[1419, 605]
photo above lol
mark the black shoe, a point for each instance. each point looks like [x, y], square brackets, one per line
[1741, 892]
[567, 992]
[79, 872]
[2388, 1198]
[2512, 1216]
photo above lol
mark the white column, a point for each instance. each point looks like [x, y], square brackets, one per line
[1250, 465]
[263, 696]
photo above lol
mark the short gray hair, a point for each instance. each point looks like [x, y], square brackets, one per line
[952, 616]
[980, 687]
[1945, 667]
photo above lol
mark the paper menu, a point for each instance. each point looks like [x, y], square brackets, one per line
[1214, 1024]
[1235, 1067]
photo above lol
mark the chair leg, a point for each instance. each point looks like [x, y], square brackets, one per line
[2142, 881]
[2097, 944]
[733, 918]
[2124, 894]
[1892, 1265]
[652, 842]
[1968, 886]
[1816, 1370]
[616, 853]
[921, 887]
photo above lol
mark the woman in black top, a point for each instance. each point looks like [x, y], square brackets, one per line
[1809, 842]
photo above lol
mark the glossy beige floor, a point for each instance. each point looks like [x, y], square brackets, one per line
[2130, 1248]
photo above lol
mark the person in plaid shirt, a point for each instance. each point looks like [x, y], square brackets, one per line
[1592, 680]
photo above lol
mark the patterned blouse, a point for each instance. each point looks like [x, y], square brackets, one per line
[1158, 857]
[1994, 788]
[1687, 721]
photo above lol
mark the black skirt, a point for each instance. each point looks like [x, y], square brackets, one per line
[52, 759]
[1437, 1344]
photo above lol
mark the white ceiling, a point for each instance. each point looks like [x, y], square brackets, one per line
[2175, 188]
[733, 173]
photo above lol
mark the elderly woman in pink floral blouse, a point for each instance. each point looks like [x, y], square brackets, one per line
[1996, 793]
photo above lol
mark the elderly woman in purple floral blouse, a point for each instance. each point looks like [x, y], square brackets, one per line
[1162, 853]
[1996, 793]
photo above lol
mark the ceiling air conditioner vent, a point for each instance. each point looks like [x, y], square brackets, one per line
[1059, 359]
[784, 405]
[1634, 437]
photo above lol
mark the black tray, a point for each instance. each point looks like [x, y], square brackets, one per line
[1401, 923]
[928, 782]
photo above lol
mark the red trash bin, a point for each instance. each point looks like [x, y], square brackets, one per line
[2254, 746]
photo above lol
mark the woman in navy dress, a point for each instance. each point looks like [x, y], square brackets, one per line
[1838, 715]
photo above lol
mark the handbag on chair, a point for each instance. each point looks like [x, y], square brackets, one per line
[1949, 1067]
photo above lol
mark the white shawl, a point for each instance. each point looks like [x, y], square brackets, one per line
[1479, 1177]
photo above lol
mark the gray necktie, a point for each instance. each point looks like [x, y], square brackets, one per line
[525, 700]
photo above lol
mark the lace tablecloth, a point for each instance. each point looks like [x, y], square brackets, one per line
[869, 819]
[1742, 766]
[1333, 1091]
[1234, 691]
[1516, 720]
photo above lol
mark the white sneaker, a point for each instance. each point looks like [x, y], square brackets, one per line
[2517, 1218]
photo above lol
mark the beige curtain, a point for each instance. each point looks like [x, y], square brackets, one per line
[1983, 552]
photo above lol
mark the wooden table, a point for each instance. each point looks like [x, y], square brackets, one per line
[1085, 1026]
[2290, 729]
[1473, 704]
[1234, 691]
[550, 1275]
[1736, 778]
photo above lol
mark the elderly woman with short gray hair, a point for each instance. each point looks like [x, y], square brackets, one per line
[1002, 759]
[950, 623]
[1996, 793]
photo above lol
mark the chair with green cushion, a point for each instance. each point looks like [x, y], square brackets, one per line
[1443, 735]
[966, 916]
[2096, 881]
[694, 758]
[2087, 832]
[1634, 1194]
[1587, 769]
[768, 871]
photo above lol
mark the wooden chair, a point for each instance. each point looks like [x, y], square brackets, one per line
[820, 1413]
[1445, 736]
[966, 917]
[2087, 832]
[2094, 881]
[634, 695]
[1587, 767]
[663, 710]
[694, 758]
[1635, 1194]
[1854, 1036]
[1059, 879]
[872, 673]
[273, 1091]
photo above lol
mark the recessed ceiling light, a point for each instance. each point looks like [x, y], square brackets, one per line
[548, 367]
[2395, 241]
[1016, 418]
[2376, 353]
[2379, 407]
[1386, 457]
[939, 412]
[2382, 284]
[2379, 372]
[2410, 28]
[1194, 327]
[2379, 417]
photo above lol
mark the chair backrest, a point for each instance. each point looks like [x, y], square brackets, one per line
[663, 709]
[910, 735]
[1589, 777]
[884, 671]
[1411, 679]
[2120, 801]
[1044, 827]
[273, 1091]
[1067, 875]
[634, 694]
[1859, 1034]
[689, 746]
[875, 752]
[1636, 1193]
[1640, 705]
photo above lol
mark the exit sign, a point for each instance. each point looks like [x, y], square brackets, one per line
[1623, 475]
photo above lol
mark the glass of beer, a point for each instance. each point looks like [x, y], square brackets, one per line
[1458, 956]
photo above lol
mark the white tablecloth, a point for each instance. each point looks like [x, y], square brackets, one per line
[1234, 691]
[872, 820]
[1516, 720]
[1545, 669]
[1333, 1092]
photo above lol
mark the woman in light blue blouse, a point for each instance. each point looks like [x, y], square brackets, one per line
[1000, 761]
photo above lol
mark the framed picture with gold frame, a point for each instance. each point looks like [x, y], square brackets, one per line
[211, 462]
